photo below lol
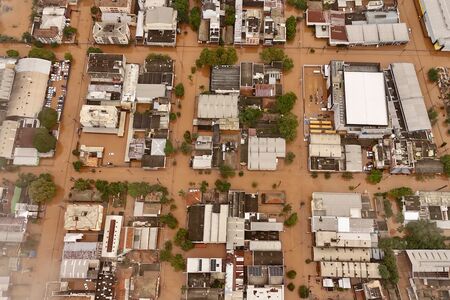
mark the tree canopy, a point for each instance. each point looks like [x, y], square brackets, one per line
[291, 220]
[12, 53]
[298, 4]
[400, 192]
[42, 53]
[388, 267]
[445, 159]
[287, 126]
[250, 116]
[169, 148]
[268, 55]
[178, 262]
[42, 190]
[285, 103]
[69, 31]
[44, 141]
[68, 56]
[181, 239]
[195, 18]
[222, 185]
[291, 28]
[433, 75]
[374, 176]
[179, 90]
[230, 15]
[82, 184]
[423, 234]
[182, 8]
[217, 56]
[303, 291]
[48, 117]
[169, 220]
[25, 179]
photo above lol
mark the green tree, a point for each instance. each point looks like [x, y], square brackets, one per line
[179, 90]
[12, 53]
[423, 234]
[445, 159]
[68, 56]
[384, 272]
[187, 137]
[165, 255]
[77, 165]
[82, 184]
[95, 10]
[48, 117]
[178, 262]
[25, 179]
[42, 53]
[217, 56]
[268, 55]
[303, 291]
[287, 126]
[230, 15]
[291, 286]
[138, 189]
[94, 50]
[290, 156]
[432, 115]
[400, 192]
[222, 185]
[27, 37]
[169, 149]
[69, 31]
[291, 28]
[44, 141]
[433, 75]
[285, 103]
[204, 186]
[292, 220]
[181, 239]
[250, 116]
[195, 18]
[291, 274]
[374, 176]
[169, 220]
[182, 8]
[298, 4]
[117, 188]
[185, 148]
[226, 171]
[42, 190]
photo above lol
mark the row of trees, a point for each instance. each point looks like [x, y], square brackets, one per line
[269, 55]
[217, 56]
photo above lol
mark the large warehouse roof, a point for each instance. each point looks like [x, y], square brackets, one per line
[411, 98]
[365, 98]
[217, 106]
[29, 88]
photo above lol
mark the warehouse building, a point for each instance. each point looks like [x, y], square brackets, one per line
[435, 16]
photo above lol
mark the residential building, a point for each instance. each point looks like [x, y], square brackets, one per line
[85, 217]
[7, 74]
[202, 277]
[95, 117]
[49, 28]
[106, 68]
[12, 230]
[209, 31]
[160, 26]
[114, 6]
[111, 33]
[434, 14]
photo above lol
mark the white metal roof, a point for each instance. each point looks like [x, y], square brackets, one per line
[26, 157]
[200, 162]
[270, 292]
[265, 246]
[411, 98]
[204, 265]
[437, 20]
[429, 260]
[147, 92]
[365, 98]
[266, 226]
[8, 131]
[158, 146]
[217, 106]
[263, 153]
